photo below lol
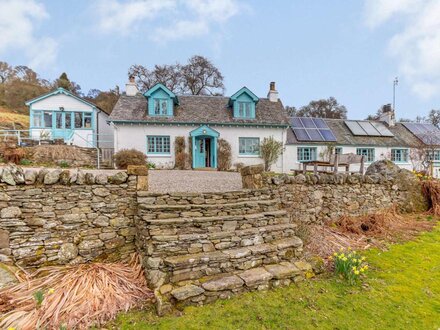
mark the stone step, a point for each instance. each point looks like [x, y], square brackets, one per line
[191, 260]
[194, 207]
[246, 217]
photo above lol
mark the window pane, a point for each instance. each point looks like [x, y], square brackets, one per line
[78, 119]
[59, 120]
[48, 119]
[37, 119]
[164, 107]
[306, 154]
[249, 146]
[68, 120]
[87, 120]
[158, 144]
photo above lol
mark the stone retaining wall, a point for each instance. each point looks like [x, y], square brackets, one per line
[62, 217]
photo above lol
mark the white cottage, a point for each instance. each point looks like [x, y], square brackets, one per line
[63, 115]
[150, 122]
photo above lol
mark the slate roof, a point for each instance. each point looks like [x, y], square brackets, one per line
[402, 137]
[199, 110]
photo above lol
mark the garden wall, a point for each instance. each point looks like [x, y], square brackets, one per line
[195, 247]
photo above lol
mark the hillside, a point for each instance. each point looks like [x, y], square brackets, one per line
[12, 120]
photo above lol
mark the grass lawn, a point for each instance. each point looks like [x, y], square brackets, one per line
[8, 118]
[402, 291]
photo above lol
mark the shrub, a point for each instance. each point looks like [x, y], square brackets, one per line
[14, 155]
[126, 157]
[181, 161]
[151, 165]
[270, 150]
[190, 151]
[180, 157]
[63, 164]
[349, 265]
[224, 155]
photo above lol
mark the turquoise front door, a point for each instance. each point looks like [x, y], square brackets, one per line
[203, 152]
[63, 126]
[204, 147]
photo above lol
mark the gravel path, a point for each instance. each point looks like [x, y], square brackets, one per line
[193, 181]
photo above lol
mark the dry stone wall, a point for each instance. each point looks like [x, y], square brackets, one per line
[63, 217]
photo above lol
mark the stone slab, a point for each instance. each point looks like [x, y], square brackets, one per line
[224, 283]
[187, 291]
[255, 276]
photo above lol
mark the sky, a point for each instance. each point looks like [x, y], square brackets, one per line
[351, 50]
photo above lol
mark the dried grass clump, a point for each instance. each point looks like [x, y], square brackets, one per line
[74, 297]
[181, 157]
[363, 232]
[126, 157]
[431, 190]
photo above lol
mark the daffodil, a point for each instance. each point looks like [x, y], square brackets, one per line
[344, 259]
[356, 272]
[11, 328]
[50, 291]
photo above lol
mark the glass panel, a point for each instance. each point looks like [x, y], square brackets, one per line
[59, 120]
[48, 119]
[296, 123]
[87, 120]
[327, 135]
[368, 128]
[37, 119]
[164, 109]
[382, 129]
[338, 151]
[308, 122]
[68, 120]
[367, 152]
[355, 128]
[78, 119]
[314, 135]
[306, 154]
[320, 123]
[249, 146]
[301, 134]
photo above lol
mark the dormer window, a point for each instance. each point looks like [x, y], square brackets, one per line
[245, 109]
[161, 101]
[243, 104]
[160, 107]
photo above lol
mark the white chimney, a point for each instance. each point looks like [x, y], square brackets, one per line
[388, 115]
[273, 93]
[131, 88]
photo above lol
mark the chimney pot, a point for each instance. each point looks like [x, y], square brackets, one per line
[130, 87]
[273, 93]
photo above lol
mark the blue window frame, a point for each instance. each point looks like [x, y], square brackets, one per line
[245, 109]
[434, 156]
[399, 155]
[305, 154]
[368, 154]
[37, 119]
[54, 119]
[249, 146]
[158, 144]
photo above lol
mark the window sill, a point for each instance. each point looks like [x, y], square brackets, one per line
[159, 155]
[248, 156]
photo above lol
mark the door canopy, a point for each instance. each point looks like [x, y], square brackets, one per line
[204, 131]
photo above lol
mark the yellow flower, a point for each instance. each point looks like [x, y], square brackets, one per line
[335, 254]
[344, 259]
[362, 270]
[366, 267]
[330, 258]
[50, 291]
[11, 328]
[354, 267]
[356, 272]
[363, 258]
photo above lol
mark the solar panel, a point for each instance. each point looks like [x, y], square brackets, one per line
[308, 122]
[368, 128]
[327, 135]
[311, 129]
[320, 123]
[382, 129]
[427, 133]
[355, 128]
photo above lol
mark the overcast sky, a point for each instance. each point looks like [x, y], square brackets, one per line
[351, 50]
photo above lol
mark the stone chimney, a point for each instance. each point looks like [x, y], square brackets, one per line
[273, 93]
[388, 115]
[131, 88]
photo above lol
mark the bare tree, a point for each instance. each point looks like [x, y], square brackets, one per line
[6, 72]
[423, 154]
[201, 77]
[270, 150]
[291, 111]
[434, 117]
[198, 77]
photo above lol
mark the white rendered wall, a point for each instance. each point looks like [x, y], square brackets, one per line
[135, 136]
[379, 153]
[105, 131]
[54, 102]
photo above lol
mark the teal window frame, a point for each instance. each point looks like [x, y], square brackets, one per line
[399, 155]
[434, 157]
[244, 109]
[369, 154]
[158, 145]
[39, 119]
[306, 154]
[338, 150]
[249, 146]
[37, 115]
